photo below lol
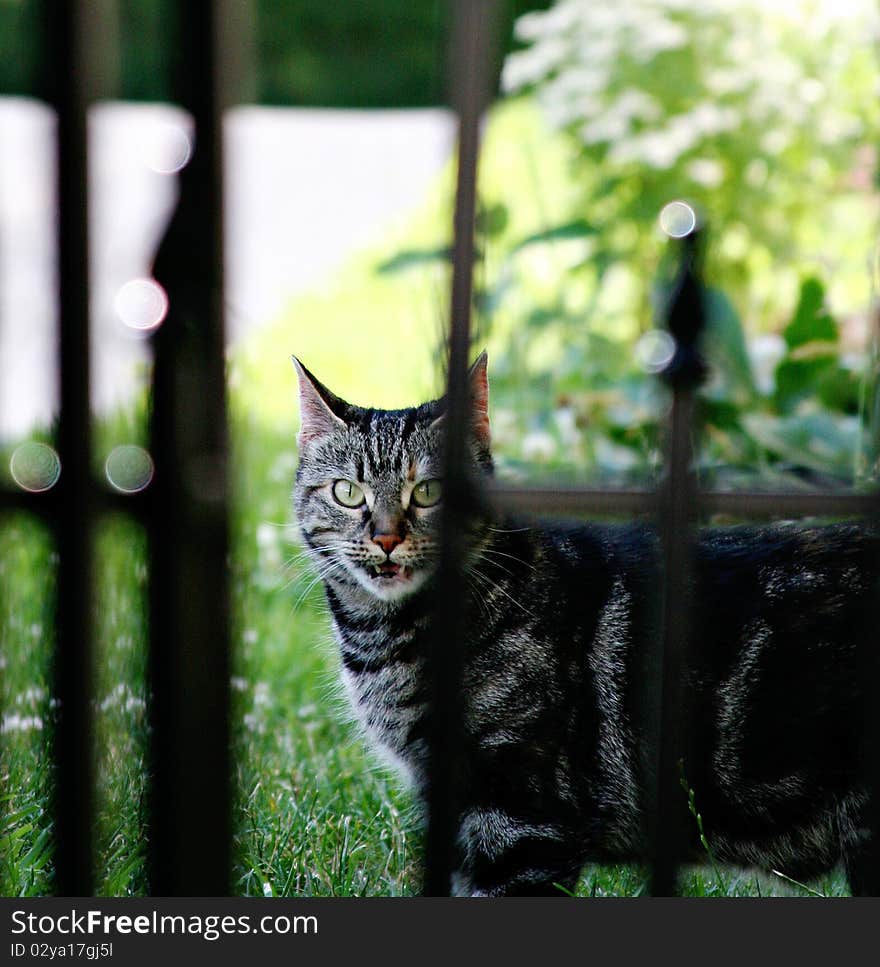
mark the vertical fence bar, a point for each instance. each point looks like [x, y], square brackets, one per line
[188, 527]
[472, 36]
[865, 878]
[69, 71]
[869, 877]
[677, 527]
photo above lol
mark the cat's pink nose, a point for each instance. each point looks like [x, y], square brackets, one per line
[387, 541]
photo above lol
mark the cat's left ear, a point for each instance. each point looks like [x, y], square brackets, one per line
[478, 382]
[320, 410]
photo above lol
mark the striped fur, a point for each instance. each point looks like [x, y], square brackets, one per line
[561, 622]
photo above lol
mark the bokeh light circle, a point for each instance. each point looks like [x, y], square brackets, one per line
[654, 351]
[141, 304]
[678, 219]
[129, 469]
[171, 152]
[35, 467]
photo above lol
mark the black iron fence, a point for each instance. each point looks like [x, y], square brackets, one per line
[184, 508]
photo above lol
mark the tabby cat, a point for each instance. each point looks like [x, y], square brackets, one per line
[559, 619]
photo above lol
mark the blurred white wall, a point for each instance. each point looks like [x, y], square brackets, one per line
[305, 189]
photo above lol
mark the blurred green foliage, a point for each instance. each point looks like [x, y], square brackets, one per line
[763, 117]
[361, 53]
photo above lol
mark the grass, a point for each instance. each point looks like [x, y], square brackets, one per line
[25, 677]
[314, 815]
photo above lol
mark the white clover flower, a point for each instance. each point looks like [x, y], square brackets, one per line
[14, 722]
[30, 696]
[134, 704]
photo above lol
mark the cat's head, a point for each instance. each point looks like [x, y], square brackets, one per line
[368, 490]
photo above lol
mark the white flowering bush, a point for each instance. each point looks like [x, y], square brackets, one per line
[763, 116]
[761, 113]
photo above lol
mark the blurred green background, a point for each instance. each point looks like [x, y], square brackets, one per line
[361, 53]
[763, 117]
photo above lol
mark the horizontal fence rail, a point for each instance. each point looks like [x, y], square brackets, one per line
[548, 499]
[593, 501]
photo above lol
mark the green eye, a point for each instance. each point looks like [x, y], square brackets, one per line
[427, 493]
[348, 494]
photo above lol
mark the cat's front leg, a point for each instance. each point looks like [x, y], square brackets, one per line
[507, 855]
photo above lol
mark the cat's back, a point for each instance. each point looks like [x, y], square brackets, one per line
[804, 590]
[548, 585]
[571, 562]
[780, 618]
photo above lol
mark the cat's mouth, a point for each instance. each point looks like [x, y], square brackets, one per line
[391, 581]
[389, 571]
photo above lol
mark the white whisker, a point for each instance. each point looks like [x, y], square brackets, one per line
[487, 581]
[322, 574]
[513, 557]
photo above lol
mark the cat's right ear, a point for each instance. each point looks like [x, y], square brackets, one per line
[319, 409]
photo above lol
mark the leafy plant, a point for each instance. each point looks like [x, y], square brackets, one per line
[764, 120]
[760, 115]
